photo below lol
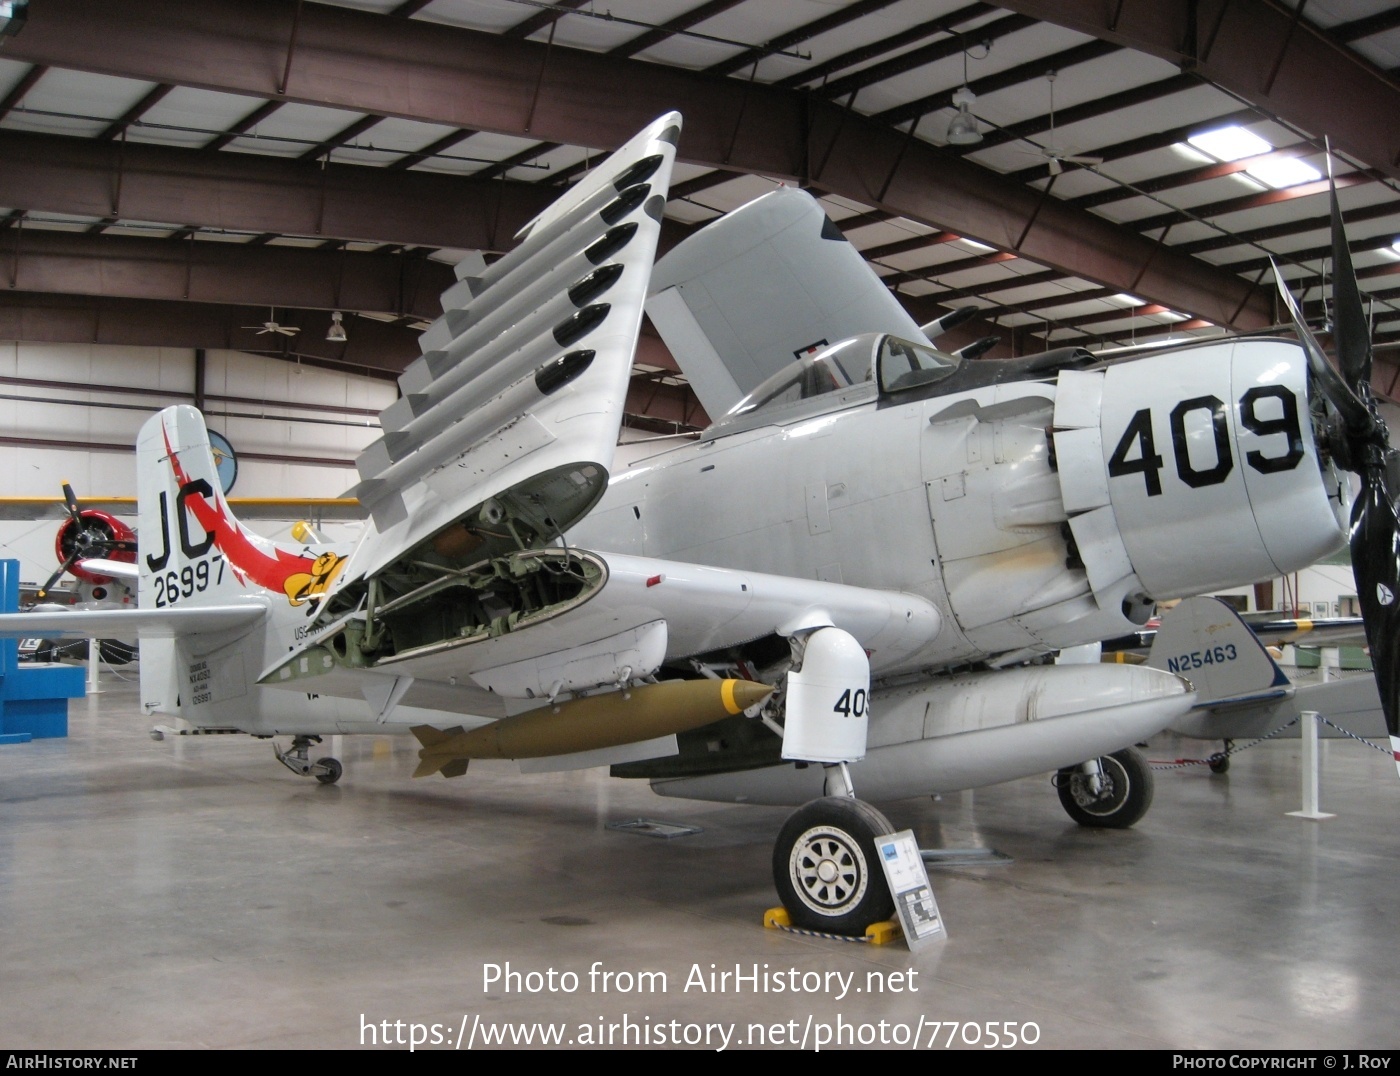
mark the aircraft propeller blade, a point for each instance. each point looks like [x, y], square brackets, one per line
[1375, 561]
[1365, 449]
[71, 500]
[1353, 410]
[1351, 333]
[44, 590]
[92, 538]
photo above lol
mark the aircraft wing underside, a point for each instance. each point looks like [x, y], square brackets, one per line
[615, 619]
[510, 418]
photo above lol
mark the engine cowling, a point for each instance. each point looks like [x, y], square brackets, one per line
[1196, 470]
[94, 534]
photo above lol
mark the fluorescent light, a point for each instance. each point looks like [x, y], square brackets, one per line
[1230, 143]
[976, 245]
[13, 14]
[1285, 172]
[1133, 300]
[1195, 156]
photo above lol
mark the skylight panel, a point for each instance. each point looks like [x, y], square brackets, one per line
[1230, 143]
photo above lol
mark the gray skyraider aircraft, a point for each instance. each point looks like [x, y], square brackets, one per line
[834, 590]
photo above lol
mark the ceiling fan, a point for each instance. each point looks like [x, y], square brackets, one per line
[1055, 158]
[271, 326]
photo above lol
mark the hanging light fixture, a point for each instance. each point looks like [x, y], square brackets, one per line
[336, 333]
[963, 131]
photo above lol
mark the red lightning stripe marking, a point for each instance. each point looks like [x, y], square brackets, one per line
[245, 557]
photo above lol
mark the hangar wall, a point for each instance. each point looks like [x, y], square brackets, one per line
[72, 411]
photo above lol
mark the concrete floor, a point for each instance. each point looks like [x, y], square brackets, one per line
[194, 893]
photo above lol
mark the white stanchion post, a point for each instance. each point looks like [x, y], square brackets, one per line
[1308, 734]
[94, 655]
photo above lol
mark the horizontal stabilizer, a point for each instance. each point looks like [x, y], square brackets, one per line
[102, 623]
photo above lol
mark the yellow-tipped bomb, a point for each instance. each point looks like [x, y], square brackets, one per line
[618, 717]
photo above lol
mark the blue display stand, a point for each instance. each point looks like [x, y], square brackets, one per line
[33, 698]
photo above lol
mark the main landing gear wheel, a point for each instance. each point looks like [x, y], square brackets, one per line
[1118, 798]
[1220, 762]
[826, 868]
[332, 769]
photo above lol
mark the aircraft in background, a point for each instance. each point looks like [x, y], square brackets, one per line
[842, 586]
[96, 549]
[1241, 693]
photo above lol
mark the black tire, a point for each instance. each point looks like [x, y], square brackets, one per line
[826, 868]
[333, 770]
[1124, 798]
[1220, 763]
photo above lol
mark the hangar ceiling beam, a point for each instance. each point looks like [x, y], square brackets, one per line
[243, 126]
[1292, 227]
[376, 348]
[805, 32]
[26, 83]
[1092, 109]
[363, 62]
[1130, 147]
[1260, 52]
[944, 24]
[205, 271]
[245, 192]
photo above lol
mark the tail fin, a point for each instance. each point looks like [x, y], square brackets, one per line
[1204, 640]
[429, 764]
[192, 549]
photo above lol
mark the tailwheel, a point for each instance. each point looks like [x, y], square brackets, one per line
[826, 868]
[1112, 792]
[326, 770]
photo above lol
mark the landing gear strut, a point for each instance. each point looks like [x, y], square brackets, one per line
[298, 760]
[825, 864]
[1111, 792]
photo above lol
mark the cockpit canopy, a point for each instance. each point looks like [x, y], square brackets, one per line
[891, 364]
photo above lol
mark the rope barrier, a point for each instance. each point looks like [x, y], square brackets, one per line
[1182, 763]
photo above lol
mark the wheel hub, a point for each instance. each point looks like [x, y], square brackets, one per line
[1084, 795]
[828, 870]
[1113, 788]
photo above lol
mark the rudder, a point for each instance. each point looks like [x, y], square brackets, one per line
[192, 549]
[1204, 640]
